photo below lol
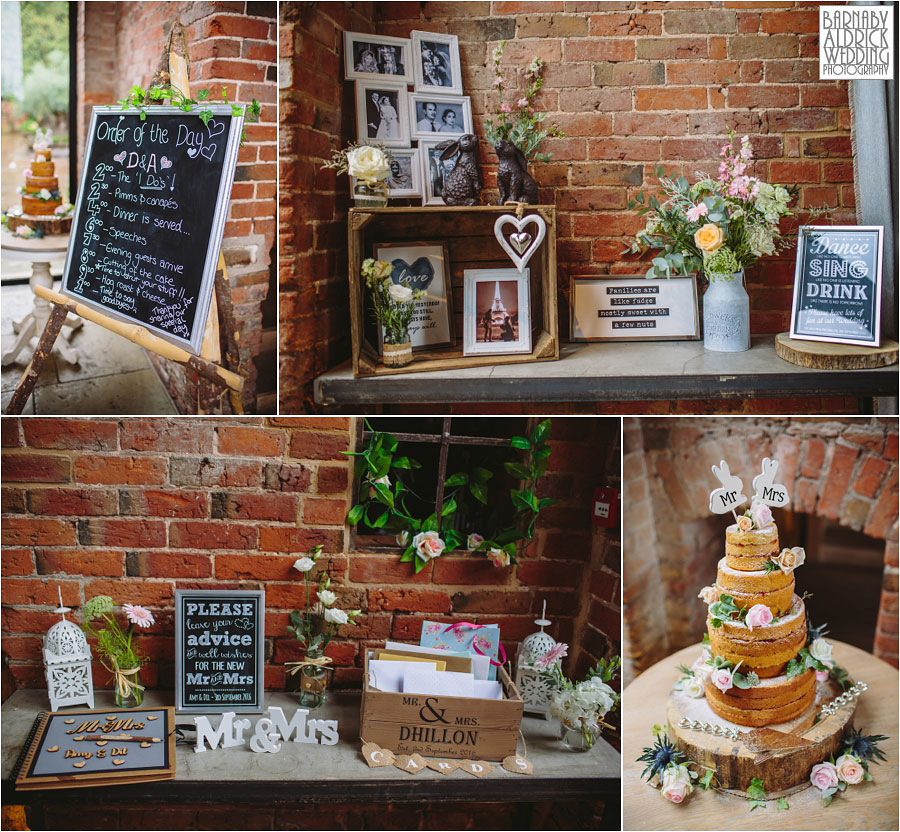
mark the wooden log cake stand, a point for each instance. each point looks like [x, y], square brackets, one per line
[825, 355]
[646, 701]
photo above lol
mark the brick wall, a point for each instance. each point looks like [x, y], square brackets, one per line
[232, 44]
[137, 508]
[632, 84]
[843, 470]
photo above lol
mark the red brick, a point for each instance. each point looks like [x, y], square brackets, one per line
[145, 592]
[250, 441]
[38, 531]
[324, 512]
[80, 561]
[670, 98]
[386, 569]
[289, 539]
[331, 479]
[599, 49]
[258, 568]
[196, 534]
[150, 534]
[71, 434]
[409, 600]
[671, 48]
[163, 502]
[11, 433]
[884, 514]
[22, 648]
[813, 459]
[870, 476]
[550, 573]
[890, 446]
[470, 569]
[491, 601]
[168, 565]
[73, 501]
[40, 592]
[836, 482]
[16, 561]
[832, 94]
[166, 436]
[17, 620]
[827, 146]
[793, 171]
[242, 506]
[313, 445]
[237, 26]
[790, 22]
[30, 467]
[120, 470]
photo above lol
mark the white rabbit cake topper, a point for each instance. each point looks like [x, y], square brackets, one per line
[767, 491]
[729, 496]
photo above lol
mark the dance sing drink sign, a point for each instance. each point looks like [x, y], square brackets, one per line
[837, 285]
[219, 646]
[149, 217]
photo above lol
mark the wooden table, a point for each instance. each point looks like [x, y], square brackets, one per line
[866, 806]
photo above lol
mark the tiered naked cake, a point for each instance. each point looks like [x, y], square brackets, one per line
[40, 194]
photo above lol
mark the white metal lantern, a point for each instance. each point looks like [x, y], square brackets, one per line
[533, 686]
[67, 663]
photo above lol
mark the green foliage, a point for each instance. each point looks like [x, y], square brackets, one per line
[803, 662]
[705, 782]
[782, 803]
[606, 669]
[45, 29]
[725, 610]
[770, 567]
[722, 261]
[46, 88]
[113, 642]
[756, 794]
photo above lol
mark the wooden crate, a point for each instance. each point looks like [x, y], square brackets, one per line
[469, 236]
[442, 726]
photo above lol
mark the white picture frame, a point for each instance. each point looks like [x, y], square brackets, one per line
[411, 168]
[490, 325]
[390, 58]
[433, 170]
[446, 47]
[449, 115]
[389, 119]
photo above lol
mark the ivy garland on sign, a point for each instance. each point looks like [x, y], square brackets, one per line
[383, 497]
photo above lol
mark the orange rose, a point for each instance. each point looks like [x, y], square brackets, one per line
[709, 237]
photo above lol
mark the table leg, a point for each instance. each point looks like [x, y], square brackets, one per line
[27, 330]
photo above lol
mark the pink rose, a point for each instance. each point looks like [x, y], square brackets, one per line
[824, 776]
[498, 557]
[759, 615]
[676, 783]
[723, 679]
[760, 513]
[473, 541]
[699, 210]
[709, 595]
[822, 675]
[849, 769]
[701, 668]
[428, 545]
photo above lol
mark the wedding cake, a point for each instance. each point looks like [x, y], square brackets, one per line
[42, 210]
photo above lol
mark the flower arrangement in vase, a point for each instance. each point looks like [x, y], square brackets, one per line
[718, 227]
[116, 646]
[371, 165]
[314, 628]
[393, 305]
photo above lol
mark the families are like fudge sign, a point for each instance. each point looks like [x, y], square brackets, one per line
[219, 646]
[149, 217]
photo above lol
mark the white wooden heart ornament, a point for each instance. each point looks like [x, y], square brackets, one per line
[524, 244]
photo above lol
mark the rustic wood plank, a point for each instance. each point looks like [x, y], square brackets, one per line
[33, 370]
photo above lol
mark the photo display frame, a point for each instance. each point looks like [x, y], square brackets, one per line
[435, 58]
[445, 116]
[424, 266]
[634, 308]
[406, 174]
[382, 112]
[497, 316]
[219, 650]
[434, 169]
[837, 284]
[367, 57]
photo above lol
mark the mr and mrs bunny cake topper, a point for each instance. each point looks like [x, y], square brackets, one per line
[730, 494]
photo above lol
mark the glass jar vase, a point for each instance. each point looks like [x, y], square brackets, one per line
[397, 349]
[313, 681]
[726, 313]
[370, 196]
[129, 693]
[578, 739]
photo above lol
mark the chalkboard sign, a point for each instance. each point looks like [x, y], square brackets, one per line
[149, 217]
[219, 639]
[837, 284]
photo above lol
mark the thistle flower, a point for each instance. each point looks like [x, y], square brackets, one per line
[658, 756]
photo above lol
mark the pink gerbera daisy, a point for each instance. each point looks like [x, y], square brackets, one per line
[551, 657]
[138, 615]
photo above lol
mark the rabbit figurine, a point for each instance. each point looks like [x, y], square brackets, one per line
[764, 484]
[513, 179]
[462, 185]
[729, 496]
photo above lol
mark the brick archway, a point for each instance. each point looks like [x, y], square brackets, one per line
[844, 470]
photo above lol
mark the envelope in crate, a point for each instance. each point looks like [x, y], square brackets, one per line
[477, 639]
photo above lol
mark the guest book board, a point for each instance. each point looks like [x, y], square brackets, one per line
[149, 217]
[73, 749]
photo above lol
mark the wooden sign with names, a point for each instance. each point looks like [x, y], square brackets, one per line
[766, 490]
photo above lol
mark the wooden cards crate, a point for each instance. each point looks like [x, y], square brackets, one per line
[467, 234]
[442, 726]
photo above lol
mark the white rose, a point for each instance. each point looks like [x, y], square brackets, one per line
[709, 595]
[44, 194]
[304, 564]
[368, 164]
[400, 293]
[498, 557]
[428, 545]
[692, 686]
[333, 616]
[790, 559]
[821, 650]
[385, 480]
[702, 668]
[327, 597]
[676, 783]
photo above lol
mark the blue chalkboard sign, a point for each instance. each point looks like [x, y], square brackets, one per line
[149, 217]
[837, 284]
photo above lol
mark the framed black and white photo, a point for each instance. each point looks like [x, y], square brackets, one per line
[435, 60]
[405, 179]
[219, 650]
[434, 169]
[497, 317]
[837, 284]
[424, 266]
[439, 115]
[366, 56]
[633, 308]
[381, 113]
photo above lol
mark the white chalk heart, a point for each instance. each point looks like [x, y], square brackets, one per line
[215, 128]
[208, 151]
[525, 248]
[165, 162]
[120, 157]
[192, 152]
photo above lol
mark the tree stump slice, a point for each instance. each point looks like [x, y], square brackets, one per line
[736, 765]
[823, 355]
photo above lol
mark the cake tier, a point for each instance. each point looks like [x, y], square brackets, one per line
[39, 207]
[757, 652]
[788, 698]
[782, 626]
[33, 184]
[41, 155]
[43, 168]
[774, 589]
[748, 551]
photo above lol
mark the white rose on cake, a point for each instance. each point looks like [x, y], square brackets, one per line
[709, 595]
[790, 559]
[692, 686]
[821, 650]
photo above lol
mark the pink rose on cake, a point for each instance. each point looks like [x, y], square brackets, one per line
[849, 769]
[760, 514]
[676, 783]
[745, 524]
[709, 595]
[822, 675]
[790, 559]
[759, 615]
[824, 776]
[723, 679]
[428, 545]
[702, 668]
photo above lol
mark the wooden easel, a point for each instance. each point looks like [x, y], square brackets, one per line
[174, 70]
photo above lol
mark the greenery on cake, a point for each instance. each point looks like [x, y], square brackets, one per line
[725, 610]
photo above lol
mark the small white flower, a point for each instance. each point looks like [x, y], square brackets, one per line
[400, 293]
[333, 616]
[327, 597]
[44, 194]
[692, 686]
[403, 538]
[385, 480]
[821, 650]
[304, 564]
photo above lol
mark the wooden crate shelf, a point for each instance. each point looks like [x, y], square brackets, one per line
[469, 236]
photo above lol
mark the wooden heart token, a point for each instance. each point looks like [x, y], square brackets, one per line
[101, 743]
[71, 731]
[151, 717]
[68, 721]
[477, 767]
[53, 748]
[444, 766]
[78, 739]
[80, 764]
[376, 756]
[143, 744]
[411, 764]
[119, 761]
[517, 765]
